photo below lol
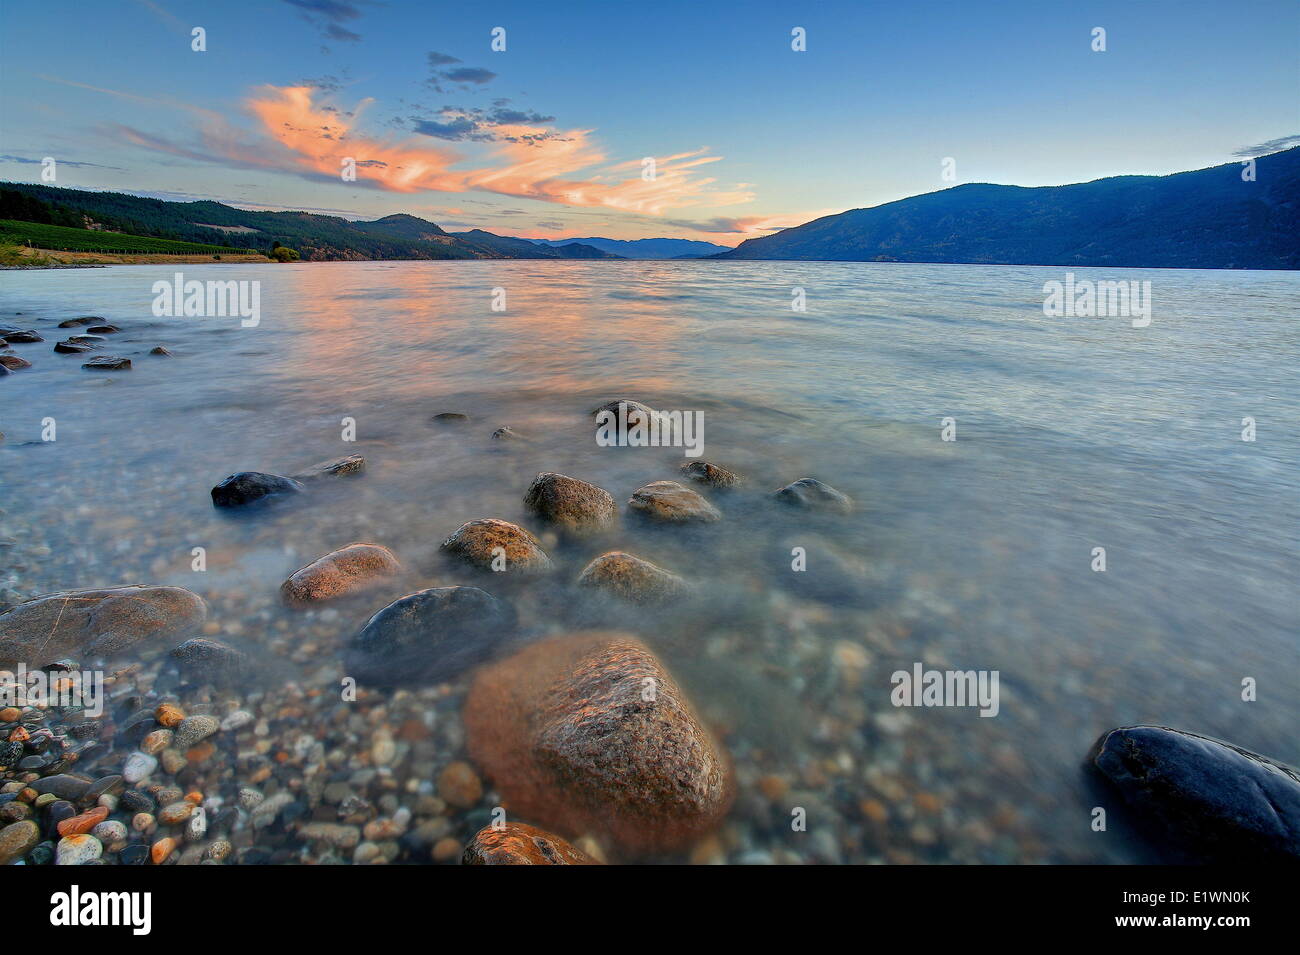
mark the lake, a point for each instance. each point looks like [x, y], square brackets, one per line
[975, 553]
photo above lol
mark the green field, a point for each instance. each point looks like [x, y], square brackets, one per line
[62, 239]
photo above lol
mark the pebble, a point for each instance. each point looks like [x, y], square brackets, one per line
[459, 785]
[162, 849]
[169, 714]
[111, 832]
[195, 729]
[175, 813]
[157, 741]
[77, 825]
[138, 767]
[18, 839]
[78, 850]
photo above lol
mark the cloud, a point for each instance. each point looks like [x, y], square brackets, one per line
[441, 59]
[26, 161]
[1272, 146]
[458, 124]
[469, 74]
[464, 75]
[329, 16]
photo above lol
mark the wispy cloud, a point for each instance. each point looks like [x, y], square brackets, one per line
[329, 16]
[1272, 146]
[27, 160]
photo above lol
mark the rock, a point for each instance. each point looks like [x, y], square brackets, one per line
[17, 839]
[86, 339]
[195, 729]
[13, 362]
[138, 767]
[520, 552]
[78, 850]
[517, 843]
[168, 714]
[175, 813]
[576, 506]
[22, 337]
[589, 733]
[62, 786]
[211, 661]
[459, 785]
[432, 635]
[332, 834]
[108, 363]
[72, 348]
[506, 434]
[86, 821]
[4, 371]
[811, 494]
[624, 412]
[450, 417]
[160, 350]
[103, 329]
[703, 472]
[110, 832]
[631, 578]
[348, 570]
[1208, 798]
[83, 320]
[106, 622]
[161, 850]
[245, 487]
[670, 502]
[349, 466]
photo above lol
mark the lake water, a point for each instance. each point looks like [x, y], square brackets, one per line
[977, 553]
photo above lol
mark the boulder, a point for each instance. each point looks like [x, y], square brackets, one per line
[211, 661]
[672, 503]
[19, 838]
[160, 350]
[72, 348]
[575, 506]
[517, 843]
[107, 622]
[83, 320]
[474, 543]
[348, 570]
[588, 732]
[245, 487]
[432, 635]
[348, 466]
[623, 411]
[450, 417]
[632, 579]
[702, 472]
[108, 363]
[13, 362]
[103, 329]
[506, 434]
[22, 337]
[811, 494]
[1207, 799]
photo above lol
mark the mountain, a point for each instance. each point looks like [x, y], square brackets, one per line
[315, 237]
[645, 248]
[1207, 218]
[515, 248]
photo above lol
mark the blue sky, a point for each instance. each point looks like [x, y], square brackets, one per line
[547, 137]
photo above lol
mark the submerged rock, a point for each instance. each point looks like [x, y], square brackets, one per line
[349, 466]
[83, 320]
[17, 839]
[1208, 797]
[506, 434]
[430, 635]
[348, 570]
[576, 506]
[490, 544]
[672, 503]
[246, 487]
[160, 350]
[211, 661]
[77, 623]
[13, 362]
[589, 733]
[108, 363]
[703, 472]
[623, 412]
[517, 843]
[22, 337]
[812, 494]
[450, 417]
[631, 578]
[103, 329]
[72, 348]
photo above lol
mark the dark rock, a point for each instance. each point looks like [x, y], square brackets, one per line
[474, 543]
[631, 578]
[134, 854]
[22, 337]
[348, 570]
[622, 413]
[13, 362]
[702, 472]
[516, 843]
[1207, 798]
[105, 784]
[246, 487]
[98, 622]
[211, 661]
[589, 733]
[432, 635]
[86, 339]
[671, 503]
[4, 371]
[576, 506]
[83, 320]
[160, 350]
[450, 417]
[133, 800]
[108, 363]
[103, 329]
[811, 494]
[506, 434]
[72, 348]
[64, 786]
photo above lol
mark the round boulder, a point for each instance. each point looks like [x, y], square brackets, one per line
[672, 503]
[631, 578]
[491, 544]
[518, 843]
[573, 505]
[348, 570]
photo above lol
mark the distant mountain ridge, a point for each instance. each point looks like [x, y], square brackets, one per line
[316, 237]
[645, 248]
[1207, 218]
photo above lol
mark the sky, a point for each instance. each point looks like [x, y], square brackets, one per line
[549, 136]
